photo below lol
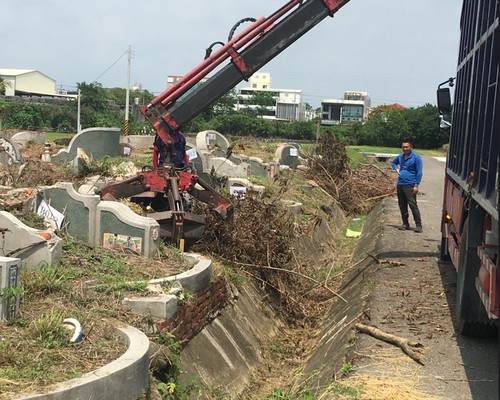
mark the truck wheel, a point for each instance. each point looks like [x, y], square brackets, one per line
[471, 318]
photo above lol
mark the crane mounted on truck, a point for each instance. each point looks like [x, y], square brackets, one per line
[247, 52]
[470, 203]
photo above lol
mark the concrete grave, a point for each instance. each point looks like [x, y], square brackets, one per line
[118, 226]
[210, 143]
[223, 166]
[196, 161]
[9, 151]
[23, 138]
[35, 248]
[79, 210]
[240, 186]
[102, 223]
[137, 141]
[95, 142]
[287, 156]
[10, 268]
[258, 167]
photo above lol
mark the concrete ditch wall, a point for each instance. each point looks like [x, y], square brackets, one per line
[333, 340]
[226, 352]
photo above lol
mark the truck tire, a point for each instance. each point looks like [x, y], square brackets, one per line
[471, 318]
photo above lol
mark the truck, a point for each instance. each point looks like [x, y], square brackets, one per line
[470, 201]
[164, 189]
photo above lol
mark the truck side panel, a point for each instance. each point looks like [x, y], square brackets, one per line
[474, 133]
[470, 210]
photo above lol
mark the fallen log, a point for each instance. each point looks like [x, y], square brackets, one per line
[403, 343]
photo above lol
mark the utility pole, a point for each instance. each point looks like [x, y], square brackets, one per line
[78, 124]
[127, 99]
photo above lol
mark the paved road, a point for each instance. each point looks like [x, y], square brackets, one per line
[414, 298]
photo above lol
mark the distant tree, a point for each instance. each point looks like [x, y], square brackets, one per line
[263, 100]
[425, 132]
[3, 85]
[94, 104]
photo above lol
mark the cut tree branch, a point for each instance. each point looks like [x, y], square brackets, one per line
[402, 343]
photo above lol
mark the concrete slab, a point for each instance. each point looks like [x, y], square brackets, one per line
[196, 278]
[162, 307]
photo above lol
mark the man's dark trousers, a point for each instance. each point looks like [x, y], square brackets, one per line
[406, 198]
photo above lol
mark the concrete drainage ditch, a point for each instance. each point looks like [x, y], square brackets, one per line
[226, 351]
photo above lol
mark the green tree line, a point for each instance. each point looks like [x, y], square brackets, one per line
[105, 107]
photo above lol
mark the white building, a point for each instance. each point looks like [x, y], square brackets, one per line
[288, 103]
[27, 82]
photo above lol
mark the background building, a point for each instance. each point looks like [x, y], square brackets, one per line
[21, 82]
[354, 107]
[283, 104]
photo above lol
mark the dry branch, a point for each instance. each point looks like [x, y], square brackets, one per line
[403, 343]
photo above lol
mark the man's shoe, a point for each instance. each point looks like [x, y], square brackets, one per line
[418, 229]
[405, 227]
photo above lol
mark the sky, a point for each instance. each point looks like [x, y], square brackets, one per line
[397, 51]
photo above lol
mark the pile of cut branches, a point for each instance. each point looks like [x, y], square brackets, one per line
[259, 242]
[357, 190]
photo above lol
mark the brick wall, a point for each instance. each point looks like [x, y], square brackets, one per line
[199, 309]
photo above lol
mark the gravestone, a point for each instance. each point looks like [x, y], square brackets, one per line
[287, 156]
[10, 269]
[95, 143]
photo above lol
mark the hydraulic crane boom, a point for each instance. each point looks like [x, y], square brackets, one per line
[259, 43]
[164, 189]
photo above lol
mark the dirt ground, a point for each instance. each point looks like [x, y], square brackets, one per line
[413, 298]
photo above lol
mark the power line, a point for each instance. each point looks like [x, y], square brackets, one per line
[111, 66]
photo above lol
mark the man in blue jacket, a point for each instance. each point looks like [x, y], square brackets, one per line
[409, 168]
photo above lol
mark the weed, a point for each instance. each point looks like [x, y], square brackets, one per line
[368, 285]
[342, 391]
[137, 286]
[347, 368]
[10, 293]
[219, 394]
[281, 394]
[170, 388]
[102, 166]
[48, 330]
[44, 281]
[33, 220]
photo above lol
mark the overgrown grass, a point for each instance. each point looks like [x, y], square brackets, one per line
[89, 285]
[52, 136]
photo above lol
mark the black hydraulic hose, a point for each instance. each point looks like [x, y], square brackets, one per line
[233, 29]
[208, 51]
